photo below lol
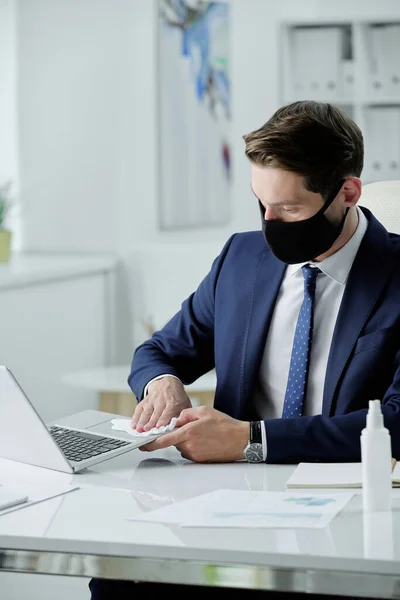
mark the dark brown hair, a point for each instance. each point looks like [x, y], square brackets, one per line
[313, 139]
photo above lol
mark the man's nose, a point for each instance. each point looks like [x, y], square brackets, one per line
[270, 213]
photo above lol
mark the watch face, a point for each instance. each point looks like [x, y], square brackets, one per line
[254, 453]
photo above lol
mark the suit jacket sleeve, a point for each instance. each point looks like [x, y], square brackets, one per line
[331, 439]
[184, 347]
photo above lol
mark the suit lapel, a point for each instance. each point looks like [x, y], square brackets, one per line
[367, 278]
[262, 297]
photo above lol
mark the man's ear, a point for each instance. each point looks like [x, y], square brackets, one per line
[352, 191]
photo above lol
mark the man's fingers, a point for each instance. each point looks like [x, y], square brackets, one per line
[153, 420]
[144, 417]
[136, 415]
[189, 415]
[166, 440]
[166, 416]
[154, 417]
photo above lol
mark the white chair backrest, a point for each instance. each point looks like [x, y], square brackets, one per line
[383, 200]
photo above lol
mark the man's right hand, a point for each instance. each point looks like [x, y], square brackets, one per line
[166, 398]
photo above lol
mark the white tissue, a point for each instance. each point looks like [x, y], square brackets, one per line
[125, 425]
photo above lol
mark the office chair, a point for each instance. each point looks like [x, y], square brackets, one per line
[383, 200]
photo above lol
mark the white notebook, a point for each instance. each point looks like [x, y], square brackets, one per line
[332, 475]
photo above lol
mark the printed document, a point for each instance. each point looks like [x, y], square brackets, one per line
[259, 509]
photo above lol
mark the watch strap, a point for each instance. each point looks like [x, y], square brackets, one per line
[255, 432]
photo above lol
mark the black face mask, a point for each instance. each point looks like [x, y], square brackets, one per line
[300, 241]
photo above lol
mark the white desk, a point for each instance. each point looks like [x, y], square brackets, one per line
[85, 533]
[115, 395]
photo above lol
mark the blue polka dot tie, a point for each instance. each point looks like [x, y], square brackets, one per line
[298, 371]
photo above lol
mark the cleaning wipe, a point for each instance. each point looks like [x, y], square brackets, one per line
[125, 425]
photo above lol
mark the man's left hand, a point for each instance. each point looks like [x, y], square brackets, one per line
[205, 434]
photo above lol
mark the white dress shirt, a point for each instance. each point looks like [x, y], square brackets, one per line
[270, 388]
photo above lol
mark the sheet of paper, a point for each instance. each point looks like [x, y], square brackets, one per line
[259, 509]
[173, 513]
[13, 471]
[35, 493]
[9, 498]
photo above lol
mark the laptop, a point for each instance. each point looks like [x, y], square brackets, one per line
[70, 444]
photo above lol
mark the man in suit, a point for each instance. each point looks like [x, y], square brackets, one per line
[301, 319]
[305, 167]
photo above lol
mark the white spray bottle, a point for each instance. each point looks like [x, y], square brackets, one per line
[376, 459]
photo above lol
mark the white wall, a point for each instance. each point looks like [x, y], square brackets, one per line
[88, 133]
[8, 107]
[8, 150]
[70, 74]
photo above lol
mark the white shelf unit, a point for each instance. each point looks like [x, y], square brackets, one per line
[354, 65]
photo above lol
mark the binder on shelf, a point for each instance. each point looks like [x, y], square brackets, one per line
[383, 64]
[347, 79]
[391, 137]
[377, 80]
[316, 62]
[382, 143]
[392, 60]
[331, 50]
[300, 60]
[373, 163]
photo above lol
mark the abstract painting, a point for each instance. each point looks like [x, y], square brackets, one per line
[194, 109]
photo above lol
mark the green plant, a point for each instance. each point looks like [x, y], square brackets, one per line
[5, 202]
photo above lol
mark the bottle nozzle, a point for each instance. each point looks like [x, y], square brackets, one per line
[374, 416]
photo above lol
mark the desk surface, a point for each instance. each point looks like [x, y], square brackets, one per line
[86, 532]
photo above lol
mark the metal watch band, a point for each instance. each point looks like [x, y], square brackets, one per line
[255, 432]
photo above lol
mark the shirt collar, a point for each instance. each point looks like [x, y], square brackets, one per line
[338, 265]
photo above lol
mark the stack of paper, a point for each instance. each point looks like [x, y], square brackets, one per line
[331, 475]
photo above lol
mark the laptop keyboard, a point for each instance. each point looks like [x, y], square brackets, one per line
[78, 445]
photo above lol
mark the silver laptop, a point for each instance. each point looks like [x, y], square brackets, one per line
[71, 444]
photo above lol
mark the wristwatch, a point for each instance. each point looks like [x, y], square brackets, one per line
[254, 450]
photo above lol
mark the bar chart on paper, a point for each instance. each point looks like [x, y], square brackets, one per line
[259, 509]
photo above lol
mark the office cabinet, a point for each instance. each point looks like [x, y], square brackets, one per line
[356, 66]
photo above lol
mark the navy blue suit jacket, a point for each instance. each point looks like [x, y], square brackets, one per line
[224, 324]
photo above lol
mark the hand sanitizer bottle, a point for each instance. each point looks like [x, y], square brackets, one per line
[376, 459]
